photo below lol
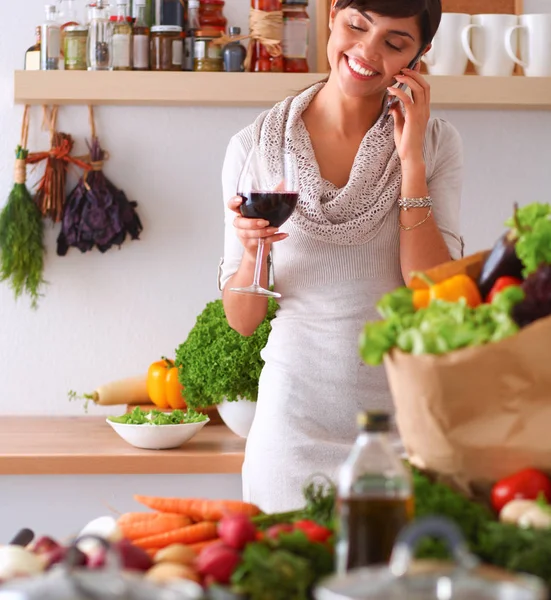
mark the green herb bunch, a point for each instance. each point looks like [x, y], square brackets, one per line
[216, 362]
[22, 241]
[283, 569]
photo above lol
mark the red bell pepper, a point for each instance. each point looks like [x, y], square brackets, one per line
[500, 284]
[314, 532]
[528, 484]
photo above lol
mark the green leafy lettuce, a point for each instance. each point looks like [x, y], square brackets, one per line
[531, 227]
[439, 328]
[216, 362]
[157, 417]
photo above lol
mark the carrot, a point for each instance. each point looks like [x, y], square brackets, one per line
[216, 509]
[191, 534]
[200, 546]
[138, 525]
[198, 509]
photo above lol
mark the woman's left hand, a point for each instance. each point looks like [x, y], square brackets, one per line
[410, 128]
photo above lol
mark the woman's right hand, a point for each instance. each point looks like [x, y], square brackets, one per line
[250, 230]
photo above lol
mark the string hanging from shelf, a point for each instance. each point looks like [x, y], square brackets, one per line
[22, 230]
[96, 214]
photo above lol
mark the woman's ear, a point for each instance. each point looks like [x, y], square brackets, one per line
[332, 14]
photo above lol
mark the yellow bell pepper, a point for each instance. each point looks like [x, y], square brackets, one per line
[452, 289]
[163, 387]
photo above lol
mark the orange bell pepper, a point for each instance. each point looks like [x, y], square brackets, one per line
[452, 289]
[163, 387]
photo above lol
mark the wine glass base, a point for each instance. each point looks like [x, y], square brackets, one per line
[255, 290]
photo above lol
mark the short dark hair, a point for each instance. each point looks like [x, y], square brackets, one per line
[428, 11]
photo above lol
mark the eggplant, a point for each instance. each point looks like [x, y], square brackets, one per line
[501, 261]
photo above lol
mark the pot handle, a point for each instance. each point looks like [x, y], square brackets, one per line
[404, 549]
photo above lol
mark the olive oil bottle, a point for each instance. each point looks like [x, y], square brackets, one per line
[374, 496]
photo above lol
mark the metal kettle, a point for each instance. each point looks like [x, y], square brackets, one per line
[404, 578]
[69, 582]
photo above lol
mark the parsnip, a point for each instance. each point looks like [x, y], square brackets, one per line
[132, 390]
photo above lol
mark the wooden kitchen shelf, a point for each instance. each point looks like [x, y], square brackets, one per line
[254, 89]
[88, 446]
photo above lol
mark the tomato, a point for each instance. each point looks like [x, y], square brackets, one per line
[524, 485]
[274, 531]
[314, 532]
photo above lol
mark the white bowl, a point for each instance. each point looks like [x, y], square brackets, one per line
[157, 437]
[238, 415]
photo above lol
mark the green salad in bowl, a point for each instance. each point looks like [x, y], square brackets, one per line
[158, 430]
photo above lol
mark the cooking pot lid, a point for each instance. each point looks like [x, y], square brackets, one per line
[430, 580]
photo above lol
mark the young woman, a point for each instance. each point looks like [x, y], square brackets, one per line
[378, 200]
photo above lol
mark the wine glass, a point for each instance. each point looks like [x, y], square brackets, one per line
[269, 187]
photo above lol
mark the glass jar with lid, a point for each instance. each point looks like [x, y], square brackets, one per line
[296, 25]
[167, 48]
[74, 48]
[207, 56]
[211, 17]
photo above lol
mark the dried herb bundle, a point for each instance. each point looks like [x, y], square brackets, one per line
[50, 195]
[22, 233]
[96, 212]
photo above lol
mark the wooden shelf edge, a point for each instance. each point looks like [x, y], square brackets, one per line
[158, 89]
[255, 89]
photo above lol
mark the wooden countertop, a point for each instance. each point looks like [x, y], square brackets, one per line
[88, 446]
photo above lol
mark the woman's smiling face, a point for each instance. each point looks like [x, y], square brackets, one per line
[366, 50]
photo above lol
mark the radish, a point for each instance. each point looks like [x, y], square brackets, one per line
[218, 562]
[132, 390]
[236, 531]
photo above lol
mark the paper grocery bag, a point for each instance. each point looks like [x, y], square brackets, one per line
[478, 414]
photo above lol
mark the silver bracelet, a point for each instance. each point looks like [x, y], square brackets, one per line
[406, 203]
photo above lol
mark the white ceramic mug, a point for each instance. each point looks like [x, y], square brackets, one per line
[447, 57]
[487, 48]
[535, 44]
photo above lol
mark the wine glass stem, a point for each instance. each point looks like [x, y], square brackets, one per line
[258, 265]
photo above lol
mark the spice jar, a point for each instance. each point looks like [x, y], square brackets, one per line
[74, 48]
[261, 60]
[296, 25]
[167, 48]
[206, 55]
[211, 17]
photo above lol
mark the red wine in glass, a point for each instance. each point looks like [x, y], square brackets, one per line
[279, 173]
[275, 207]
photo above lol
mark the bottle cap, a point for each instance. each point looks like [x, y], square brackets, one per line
[194, 4]
[373, 421]
[235, 30]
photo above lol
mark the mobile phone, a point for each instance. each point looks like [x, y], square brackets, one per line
[392, 100]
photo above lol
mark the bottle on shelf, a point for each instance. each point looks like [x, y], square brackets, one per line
[100, 42]
[191, 30]
[234, 53]
[140, 38]
[50, 46]
[32, 56]
[374, 496]
[122, 38]
[169, 12]
[261, 60]
[296, 26]
[67, 15]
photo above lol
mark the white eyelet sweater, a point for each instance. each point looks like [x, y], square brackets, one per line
[341, 256]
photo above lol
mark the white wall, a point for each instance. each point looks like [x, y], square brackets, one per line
[108, 316]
